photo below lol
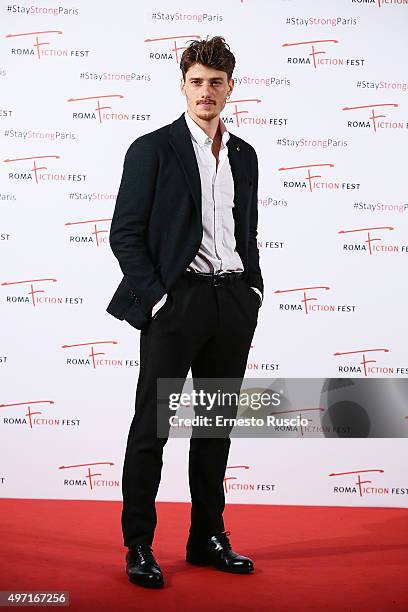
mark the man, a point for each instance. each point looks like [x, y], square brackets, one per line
[184, 232]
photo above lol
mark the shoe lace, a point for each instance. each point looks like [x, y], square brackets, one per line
[145, 553]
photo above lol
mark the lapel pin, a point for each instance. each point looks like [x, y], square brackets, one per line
[237, 148]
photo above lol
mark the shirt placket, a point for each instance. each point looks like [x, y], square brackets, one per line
[219, 212]
[217, 207]
[217, 217]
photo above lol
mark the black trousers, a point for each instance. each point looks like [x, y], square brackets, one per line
[207, 327]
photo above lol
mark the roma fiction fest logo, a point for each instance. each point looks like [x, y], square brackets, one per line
[264, 366]
[102, 108]
[35, 413]
[233, 481]
[39, 45]
[90, 231]
[168, 48]
[367, 362]
[270, 244]
[35, 292]
[298, 421]
[381, 3]
[318, 53]
[3, 360]
[241, 113]
[310, 177]
[370, 241]
[307, 301]
[92, 475]
[376, 120]
[96, 354]
[305, 424]
[36, 170]
[364, 482]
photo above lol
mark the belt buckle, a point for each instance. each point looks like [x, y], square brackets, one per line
[217, 280]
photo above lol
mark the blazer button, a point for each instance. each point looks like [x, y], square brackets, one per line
[138, 300]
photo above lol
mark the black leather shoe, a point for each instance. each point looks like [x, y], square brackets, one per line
[217, 551]
[142, 567]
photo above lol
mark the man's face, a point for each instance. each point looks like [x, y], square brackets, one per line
[206, 90]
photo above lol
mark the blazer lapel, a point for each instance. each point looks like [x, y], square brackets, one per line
[239, 173]
[180, 140]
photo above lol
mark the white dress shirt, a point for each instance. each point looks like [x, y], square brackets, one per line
[217, 252]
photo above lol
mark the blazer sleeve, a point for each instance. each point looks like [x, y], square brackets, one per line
[130, 221]
[254, 270]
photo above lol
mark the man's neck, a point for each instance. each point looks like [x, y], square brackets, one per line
[209, 127]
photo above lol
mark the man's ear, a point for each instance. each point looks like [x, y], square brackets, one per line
[182, 85]
[231, 86]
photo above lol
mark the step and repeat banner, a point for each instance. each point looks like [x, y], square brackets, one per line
[321, 92]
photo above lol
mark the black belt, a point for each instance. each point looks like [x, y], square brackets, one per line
[215, 279]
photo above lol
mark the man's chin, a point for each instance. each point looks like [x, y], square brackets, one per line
[204, 113]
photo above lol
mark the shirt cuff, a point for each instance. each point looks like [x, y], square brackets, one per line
[159, 304]
[259, 293]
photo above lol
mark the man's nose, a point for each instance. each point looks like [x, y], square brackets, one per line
[206, 90]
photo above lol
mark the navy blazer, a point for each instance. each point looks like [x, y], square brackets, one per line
[156, 228]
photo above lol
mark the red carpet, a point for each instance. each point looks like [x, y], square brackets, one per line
[306, 558]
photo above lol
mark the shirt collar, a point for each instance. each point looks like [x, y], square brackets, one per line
[201, 137]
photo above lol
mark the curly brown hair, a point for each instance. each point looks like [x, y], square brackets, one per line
[214, 53]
